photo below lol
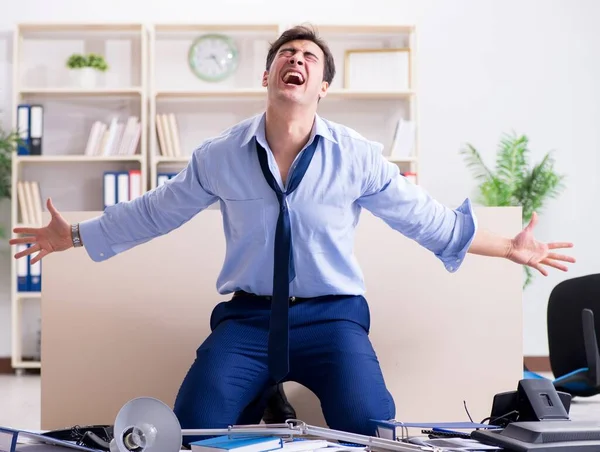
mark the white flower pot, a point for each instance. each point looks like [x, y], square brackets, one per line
[86, 77]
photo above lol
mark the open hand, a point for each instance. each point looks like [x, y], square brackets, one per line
[526, 250]
[54, 237]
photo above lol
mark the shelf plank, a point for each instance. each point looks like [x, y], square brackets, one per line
[184, 93]
[28, 295]
[261, 92]
[185, 159]
[364, 29]
[19, 364]
[163, 159]
[368, 94]
[76, 158]
[402, 160]
[78, 27]
[190, 27]
[69, 91]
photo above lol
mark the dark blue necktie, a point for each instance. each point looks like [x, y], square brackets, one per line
[284, 271]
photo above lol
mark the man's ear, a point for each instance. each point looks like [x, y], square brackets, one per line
[265, 78]
[323, 91]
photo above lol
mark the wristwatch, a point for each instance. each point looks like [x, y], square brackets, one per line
[75, 235]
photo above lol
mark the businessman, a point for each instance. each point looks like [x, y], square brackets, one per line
[291, 186]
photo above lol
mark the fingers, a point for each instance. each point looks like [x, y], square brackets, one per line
[561, 257]
[533, 221]
[551, 261]
[33, 249]
[541, 269]
[28, 251]
[556, 245]
[51, 207]
[26, 230]
[554, 264]
[39, 256]
[21, 240]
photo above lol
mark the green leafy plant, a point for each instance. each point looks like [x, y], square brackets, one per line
[513, 182]
[91, 60]
[9, 140]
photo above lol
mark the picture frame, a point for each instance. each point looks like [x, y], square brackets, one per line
[379, 69]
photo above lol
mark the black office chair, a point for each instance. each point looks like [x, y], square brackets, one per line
[572, 340]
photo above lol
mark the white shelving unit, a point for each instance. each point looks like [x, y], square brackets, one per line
[62, 170]
[204, 109]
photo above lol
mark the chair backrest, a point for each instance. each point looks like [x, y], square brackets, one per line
[565, 327]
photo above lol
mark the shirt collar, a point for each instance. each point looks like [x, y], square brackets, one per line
[257, 129]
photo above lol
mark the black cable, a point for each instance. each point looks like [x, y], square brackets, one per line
[466, 409]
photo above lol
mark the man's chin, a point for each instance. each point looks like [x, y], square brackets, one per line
[290, 95]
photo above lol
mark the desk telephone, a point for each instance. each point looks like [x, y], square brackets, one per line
[535, 418]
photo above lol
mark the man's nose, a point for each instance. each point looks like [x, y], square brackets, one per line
[296, 59]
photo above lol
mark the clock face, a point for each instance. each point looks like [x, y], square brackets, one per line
[213, 57]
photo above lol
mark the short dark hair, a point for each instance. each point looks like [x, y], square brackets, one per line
[304, 33]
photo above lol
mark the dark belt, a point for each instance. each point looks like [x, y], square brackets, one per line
[243, 293]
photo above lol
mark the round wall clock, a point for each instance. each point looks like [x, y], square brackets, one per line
[213, 57]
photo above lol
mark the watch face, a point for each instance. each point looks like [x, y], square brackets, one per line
[213, 57]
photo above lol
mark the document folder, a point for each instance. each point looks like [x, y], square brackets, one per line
[10, 439]
[387, 429]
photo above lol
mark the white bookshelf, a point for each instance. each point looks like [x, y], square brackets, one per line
[63, 171]
[203, 109]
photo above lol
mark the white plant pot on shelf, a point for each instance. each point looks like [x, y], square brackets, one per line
[86, 77]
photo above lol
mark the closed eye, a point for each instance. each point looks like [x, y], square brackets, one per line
[289, 51]
[311, 56]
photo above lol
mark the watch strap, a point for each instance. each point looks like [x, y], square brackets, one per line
[75, 237]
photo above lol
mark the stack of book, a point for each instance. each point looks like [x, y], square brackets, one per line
[167, 132]
[30, 202]
[114, 138]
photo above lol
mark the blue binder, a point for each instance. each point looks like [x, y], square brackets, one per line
[24, 128]
[22, 271]
[35, 276]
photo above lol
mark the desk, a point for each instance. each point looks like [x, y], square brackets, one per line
[130, 326]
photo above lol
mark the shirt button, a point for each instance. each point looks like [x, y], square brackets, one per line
[451, 268]
[101, 254]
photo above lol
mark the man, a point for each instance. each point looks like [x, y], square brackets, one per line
[291, 186]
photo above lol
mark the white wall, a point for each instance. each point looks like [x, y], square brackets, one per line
[484, 67]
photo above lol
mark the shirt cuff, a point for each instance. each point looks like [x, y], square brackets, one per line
[94, 240]
[462, 236]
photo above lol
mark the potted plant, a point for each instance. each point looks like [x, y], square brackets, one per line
[84, 69]
[513, 182]
[8, 145]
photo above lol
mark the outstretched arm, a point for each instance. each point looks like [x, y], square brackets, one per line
[448, 233]
[155, 213]
[523, 249]
[127, 224]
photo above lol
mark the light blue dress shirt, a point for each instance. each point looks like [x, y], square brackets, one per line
[347, 173]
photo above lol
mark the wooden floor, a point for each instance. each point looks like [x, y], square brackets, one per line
[20, 403]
